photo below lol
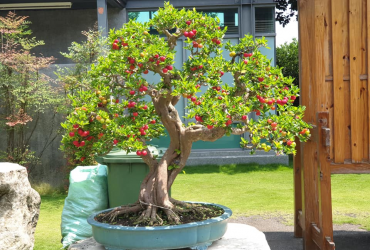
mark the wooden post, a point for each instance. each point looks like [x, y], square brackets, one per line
[297, 177]
[326, 219]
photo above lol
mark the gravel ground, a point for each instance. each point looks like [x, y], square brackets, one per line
[281, 237]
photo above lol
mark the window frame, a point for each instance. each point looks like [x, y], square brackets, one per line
[254, 21]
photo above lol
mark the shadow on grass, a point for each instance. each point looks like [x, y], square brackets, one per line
[232, 169]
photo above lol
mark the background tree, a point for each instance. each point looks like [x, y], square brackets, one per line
[287, 57]
[25, 93]
[285, 10]
[76, 78]
[139, 109]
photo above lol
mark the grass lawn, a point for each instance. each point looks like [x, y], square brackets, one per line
[246, 189]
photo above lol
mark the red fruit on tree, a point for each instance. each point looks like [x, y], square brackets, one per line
[274, 124]
[188, 22]
[194, 31]
[132, 61]
[210, 126]
[132, 92]
[186, 34]
[115, 141]
[218, 42]
[193, 98]
[260, 79]
[269, 121]
[76, 143]
[152, 121]
[80, 131]
[115, 46]
[144, 152]
[200, 67]
[86, 133]
[244, 117]
[135, 114]
[75, 126]
[82, 158]
[156, 55]
[191, 34]
[143, 133]
[89, 138]
[138, 152]
[293, 97]
[221, 73]
[71, 134]
[218, 88]
[146, 71]
[140, 65]
[169, 67]
[145, 127]
[82, 143]
[289, 142]
[165, 70]
[162, 58]
[219, 98]
[258, 112]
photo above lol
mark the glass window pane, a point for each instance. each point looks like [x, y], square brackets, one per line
[265, 20]
[227, 17]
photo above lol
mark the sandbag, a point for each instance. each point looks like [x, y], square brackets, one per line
[88, 193]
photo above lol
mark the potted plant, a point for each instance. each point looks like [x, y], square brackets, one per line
[127, 111]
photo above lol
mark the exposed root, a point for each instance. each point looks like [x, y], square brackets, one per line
[173, 218]
[141, 214]
[182, 203]
[112, 215]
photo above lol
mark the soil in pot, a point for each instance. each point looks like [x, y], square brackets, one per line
[195, 212]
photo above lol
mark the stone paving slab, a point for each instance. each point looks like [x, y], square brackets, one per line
[238, 236]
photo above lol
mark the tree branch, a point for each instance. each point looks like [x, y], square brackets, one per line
[199, 132]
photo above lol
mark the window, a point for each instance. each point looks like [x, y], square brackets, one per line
[227, 17]
[264, 20]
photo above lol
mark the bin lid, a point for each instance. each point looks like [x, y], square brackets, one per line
[117, 155]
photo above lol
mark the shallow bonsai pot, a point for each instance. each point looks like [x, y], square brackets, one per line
[196, 235]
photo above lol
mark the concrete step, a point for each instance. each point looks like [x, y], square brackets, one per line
[234, 157]
[218, 153]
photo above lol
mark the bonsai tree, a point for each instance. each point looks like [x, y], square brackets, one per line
[127, 111]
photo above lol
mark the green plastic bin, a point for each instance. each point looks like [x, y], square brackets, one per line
[125, 174]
